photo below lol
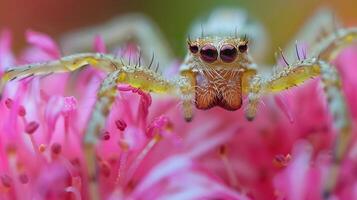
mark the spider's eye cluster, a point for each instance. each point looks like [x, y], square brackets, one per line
[228, 53]
[193, 48]
[209, 53]
[243, 47]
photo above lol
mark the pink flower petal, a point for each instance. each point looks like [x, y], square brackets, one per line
[284, 104]
[164, 169]
[43, 42]
[99, 45]
[70, 105]
[6, 56]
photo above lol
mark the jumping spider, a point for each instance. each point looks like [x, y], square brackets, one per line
[217, 71]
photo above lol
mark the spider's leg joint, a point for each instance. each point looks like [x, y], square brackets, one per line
[254, 96]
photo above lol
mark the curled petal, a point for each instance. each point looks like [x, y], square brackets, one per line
[43, 42]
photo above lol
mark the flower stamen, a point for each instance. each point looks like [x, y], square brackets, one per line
[228, 166]
[23, 178]
[121, 125]
[140, 157]
[6, 180]
[56, 149]
[281, 161]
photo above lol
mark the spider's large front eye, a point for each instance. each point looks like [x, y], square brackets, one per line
[228, 53]
[209, 53]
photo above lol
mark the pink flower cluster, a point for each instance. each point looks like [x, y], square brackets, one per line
[149, 152]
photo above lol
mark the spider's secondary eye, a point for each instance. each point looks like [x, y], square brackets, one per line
[209, 53]
[243, 48]
[193, 48]
[228, 53]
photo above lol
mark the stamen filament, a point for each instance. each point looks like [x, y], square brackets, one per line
[140, 157]
[228, 167]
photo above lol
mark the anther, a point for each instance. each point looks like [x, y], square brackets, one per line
[42, 148]
[24, 179]
[6, 180]
[281, 160]
[56, 148]
[106, 135]
[9, 102]
[121, 125]
[31, 127]
[105, 169]
[223, 150]
[22, 111]
[76, 162]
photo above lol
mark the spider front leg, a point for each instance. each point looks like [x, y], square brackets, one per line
[65, 64]
[133, 28]
[318, 26]
[294, 75]
[303, 70]
[142, 78]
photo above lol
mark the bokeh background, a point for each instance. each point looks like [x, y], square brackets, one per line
[282, 18]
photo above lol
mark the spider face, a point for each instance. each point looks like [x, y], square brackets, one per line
[219, 64]
[219, 51]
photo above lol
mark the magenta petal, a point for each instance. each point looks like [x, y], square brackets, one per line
[6, 56]
[158, 124]
[43, 42]
[99, 45]
[283, 104]
[163, 170]
[291, 182]
[70, 105]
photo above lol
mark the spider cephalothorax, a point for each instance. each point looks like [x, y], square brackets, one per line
[218, 65]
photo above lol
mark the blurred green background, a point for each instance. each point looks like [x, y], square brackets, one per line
[282, 18]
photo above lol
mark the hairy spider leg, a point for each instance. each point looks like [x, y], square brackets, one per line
[128, 28]
[299, 71]
[143, 78]
[317, 28]
[303, 70]
[65, 64]
[188, 101]
[139, 77]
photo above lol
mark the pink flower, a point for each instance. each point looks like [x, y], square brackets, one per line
[148, 151]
